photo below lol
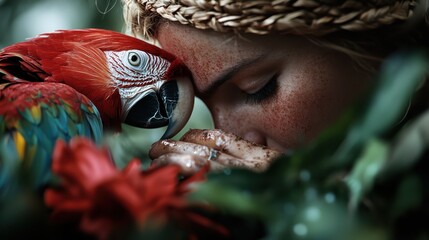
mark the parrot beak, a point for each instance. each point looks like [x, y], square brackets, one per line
[170, 106]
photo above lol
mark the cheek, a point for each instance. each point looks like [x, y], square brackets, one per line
[306, 105]
[288, 119]
[294, 116]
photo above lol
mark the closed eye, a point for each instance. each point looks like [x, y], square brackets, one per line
[265, 93]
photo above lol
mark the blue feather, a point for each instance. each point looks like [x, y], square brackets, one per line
[62, 118]
[49, 122]
[9, 163]
[96, 125]
[39, 128]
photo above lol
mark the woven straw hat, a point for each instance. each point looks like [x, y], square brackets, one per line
[315, 17]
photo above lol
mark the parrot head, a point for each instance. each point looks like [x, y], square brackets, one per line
[127, 79]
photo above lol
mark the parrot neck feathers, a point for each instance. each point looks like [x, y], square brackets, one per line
[86, 71]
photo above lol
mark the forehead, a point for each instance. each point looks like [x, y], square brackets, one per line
[206, 53]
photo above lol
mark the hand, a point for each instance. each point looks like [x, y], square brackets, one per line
[219, 149]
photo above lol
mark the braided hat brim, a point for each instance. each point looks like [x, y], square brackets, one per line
[316, 17]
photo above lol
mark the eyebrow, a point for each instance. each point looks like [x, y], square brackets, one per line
[229, 73]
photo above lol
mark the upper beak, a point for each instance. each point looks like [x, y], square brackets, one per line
[171, 105]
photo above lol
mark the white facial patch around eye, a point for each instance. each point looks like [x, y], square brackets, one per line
[135, 73]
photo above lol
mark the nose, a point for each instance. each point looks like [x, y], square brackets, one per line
[241, 125]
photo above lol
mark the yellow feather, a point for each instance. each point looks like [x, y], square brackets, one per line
[36, 113]
[20, 144]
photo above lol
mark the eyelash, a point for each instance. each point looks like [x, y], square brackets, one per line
[264, 93]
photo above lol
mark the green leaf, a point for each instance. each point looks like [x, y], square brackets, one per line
[400, 75]
[365, 171]
[409, 195]
[230, 199]
[408, 146]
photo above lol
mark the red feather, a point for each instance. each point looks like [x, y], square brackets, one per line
[76, 58]
[16, 98]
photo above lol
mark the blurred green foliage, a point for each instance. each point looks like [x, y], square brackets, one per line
[354, 182]
[26, 18]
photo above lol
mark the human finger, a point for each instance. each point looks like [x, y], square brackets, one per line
[217, 159]
[230, 144]
[189, 164]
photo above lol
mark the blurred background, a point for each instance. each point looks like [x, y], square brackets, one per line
[26, 18]
[23, 19]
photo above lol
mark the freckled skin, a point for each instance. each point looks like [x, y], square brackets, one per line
[315, 85]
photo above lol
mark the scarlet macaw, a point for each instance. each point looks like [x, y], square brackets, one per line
[74, 82]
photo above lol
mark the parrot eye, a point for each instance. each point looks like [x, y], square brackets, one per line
[134, 59]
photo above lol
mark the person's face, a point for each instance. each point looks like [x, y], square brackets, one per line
[278, 91]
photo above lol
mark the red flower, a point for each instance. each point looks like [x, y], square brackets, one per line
[104, 198]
